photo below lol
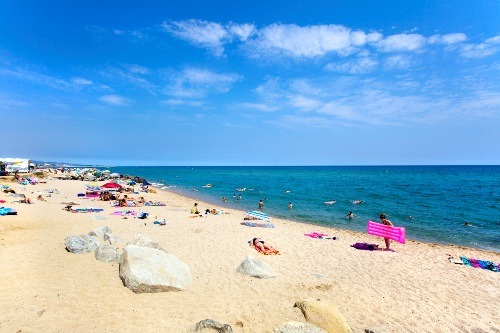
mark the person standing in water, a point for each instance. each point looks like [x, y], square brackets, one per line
[385, 221]
[350, 215]
[290, 206]
[261, 205]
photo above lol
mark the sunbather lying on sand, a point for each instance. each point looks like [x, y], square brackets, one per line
[25, 199]
[262, 246]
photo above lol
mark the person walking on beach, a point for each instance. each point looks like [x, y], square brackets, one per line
[261, 205]
[385, 221]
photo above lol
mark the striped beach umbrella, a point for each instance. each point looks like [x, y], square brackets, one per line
[258, 215]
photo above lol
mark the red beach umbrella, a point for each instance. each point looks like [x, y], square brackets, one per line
[111, 185]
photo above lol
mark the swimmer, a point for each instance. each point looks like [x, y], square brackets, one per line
[350, 215]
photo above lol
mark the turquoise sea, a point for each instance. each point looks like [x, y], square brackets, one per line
[439, 199]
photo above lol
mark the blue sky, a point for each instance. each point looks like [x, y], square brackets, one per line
[251, 82]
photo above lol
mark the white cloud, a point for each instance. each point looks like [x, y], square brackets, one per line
[398, 61]
[309, 41]
[355, 66]
[81, 81]
[304, 103]
[315, 41]
[115, 100]
[37, 78]
[447, 39]
[259, 107]
[201, 33]
[493, 40]
[132, 74]
[490, 47]
[7, 103]
[294, 121]
[242, 31]
[402, 43]
[177, 102]
[137, 69]
[198, 82]
[359, 38]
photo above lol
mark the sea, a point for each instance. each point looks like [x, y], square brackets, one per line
[433, 203]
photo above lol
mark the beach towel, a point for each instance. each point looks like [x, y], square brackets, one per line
[483, 264]
[156, 203]
[7, 211]
[260, 225]
[365, 246]
[319, 235]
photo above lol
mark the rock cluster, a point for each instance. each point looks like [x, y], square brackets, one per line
[145, 266]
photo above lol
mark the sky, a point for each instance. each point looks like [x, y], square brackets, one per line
[251, 82]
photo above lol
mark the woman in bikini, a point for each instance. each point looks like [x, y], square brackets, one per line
[384, 220]
[262, 246]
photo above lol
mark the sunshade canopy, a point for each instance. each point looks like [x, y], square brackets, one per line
[111, 185]
[258, 215]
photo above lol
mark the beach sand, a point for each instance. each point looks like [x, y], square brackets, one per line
[44, 288]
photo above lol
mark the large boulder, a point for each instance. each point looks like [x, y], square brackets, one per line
[100, 232]
[254, 267]
[298, 327]
[81, 243]
[324, 314]
[145, 241]
[112, 239]
[107, 253]
[149, 270]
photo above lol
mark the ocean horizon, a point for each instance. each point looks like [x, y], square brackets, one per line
[433, 202]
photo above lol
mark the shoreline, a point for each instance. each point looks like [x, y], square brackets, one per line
[312, 224]
[414, 289]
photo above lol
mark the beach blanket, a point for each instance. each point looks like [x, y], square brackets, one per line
[260, 225]
[87, 210]
[483, 264]
[124, 213]
[365, 246]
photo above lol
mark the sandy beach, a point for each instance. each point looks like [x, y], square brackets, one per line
[45, 288]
